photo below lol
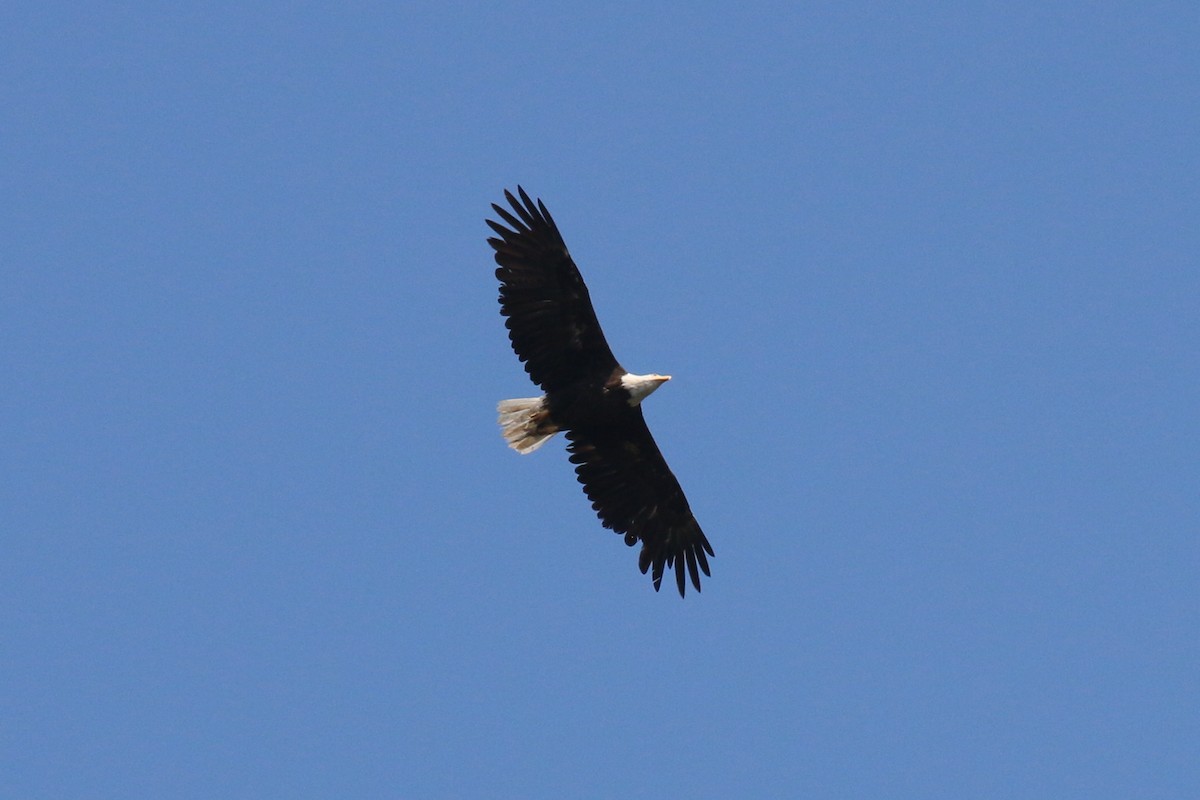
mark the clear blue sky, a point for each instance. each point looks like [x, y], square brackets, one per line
[927, 277]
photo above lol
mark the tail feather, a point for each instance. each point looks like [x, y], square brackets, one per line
[525, 423]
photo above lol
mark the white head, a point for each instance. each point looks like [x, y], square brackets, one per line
[640, 386]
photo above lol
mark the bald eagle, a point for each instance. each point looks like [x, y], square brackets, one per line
[588, 396]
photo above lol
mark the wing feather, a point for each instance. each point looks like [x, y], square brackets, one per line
[550, 319]
[634, 493]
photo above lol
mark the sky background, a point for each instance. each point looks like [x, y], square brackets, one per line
[926, 276]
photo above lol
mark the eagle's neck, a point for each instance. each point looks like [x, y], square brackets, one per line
[640, 386]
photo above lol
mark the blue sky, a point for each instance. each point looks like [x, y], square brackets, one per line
[925, 276]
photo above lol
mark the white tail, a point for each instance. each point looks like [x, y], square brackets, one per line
[525, 423]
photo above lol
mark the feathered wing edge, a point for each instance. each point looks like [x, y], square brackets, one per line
[550, 320]
[634, 493]
[690, 548]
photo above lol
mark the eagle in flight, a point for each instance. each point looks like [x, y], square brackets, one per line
[588, 396]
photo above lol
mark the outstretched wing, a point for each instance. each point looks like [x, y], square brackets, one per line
[551, 323]
[634, 493]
